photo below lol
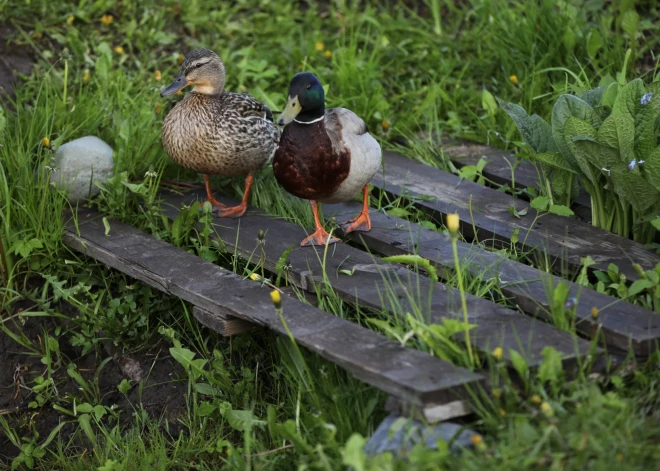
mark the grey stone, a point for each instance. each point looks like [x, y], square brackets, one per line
[401, 440]
[80, 163]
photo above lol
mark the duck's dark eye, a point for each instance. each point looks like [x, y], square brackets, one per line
[309, 86]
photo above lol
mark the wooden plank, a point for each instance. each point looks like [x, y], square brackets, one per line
[621, 324]
[505, 168]
[431, 413]
[380, 286]
[564, 240]
[408, 374]
[223, 324]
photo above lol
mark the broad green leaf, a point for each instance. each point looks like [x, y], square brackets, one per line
[618, 132]
[519, 363]
[561, 210]
[205, 409]
[639, 286]
[540, 203]
[353, 454]
[182, 355]
[555, 160]
[628, 97]
[578, 128]
[630, 23]
[243, 420]
[567, 107]
[593, 97]
[488, 102]
[652, 167]
[610, 94]
[398, 212]
[551, 369]
[206, 389]
[594, 43]
[86, 425]
[534, 130]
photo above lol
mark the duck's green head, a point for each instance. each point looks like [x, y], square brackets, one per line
[202, 68]
[306, 102]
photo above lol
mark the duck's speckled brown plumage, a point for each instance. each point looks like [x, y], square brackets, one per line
[227, 134]
[306, 163]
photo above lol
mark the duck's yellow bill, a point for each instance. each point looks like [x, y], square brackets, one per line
[290, 111]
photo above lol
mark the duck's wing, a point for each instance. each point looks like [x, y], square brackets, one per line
[347, 131]
[249, 108]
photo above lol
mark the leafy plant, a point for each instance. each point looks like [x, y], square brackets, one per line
[604, 140]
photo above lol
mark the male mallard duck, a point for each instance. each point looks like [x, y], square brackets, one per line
[325, 156]
[215, 132]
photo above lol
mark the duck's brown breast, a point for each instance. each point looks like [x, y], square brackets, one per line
[305, 163]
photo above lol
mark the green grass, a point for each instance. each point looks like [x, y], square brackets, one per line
[405, 70]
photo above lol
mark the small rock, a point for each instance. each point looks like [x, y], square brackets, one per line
[80, 163]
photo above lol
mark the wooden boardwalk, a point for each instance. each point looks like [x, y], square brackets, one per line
[231, 305]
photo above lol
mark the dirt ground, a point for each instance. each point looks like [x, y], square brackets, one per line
[15, 60]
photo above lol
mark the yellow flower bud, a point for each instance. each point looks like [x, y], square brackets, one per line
[502, 412]
[476, 440]
[385, 124]
[70, 19]
[497, 353]
[547, 409]
[157, 75]
[619, 457]
[594, 313]
[119, 50]
[254, 277]
[496, 393]
[86, 75]
[319, 46]
[327, 54]
[46, 142]
[276, 298]
[536, 399]
[106, 19]
[514, 79]
[453, 222]
[179, 58]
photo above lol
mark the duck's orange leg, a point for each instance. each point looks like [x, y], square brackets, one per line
[209, 193]
[239, 210]
[361, 222]
[320, 235]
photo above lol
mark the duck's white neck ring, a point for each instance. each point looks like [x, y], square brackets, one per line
[309, 122]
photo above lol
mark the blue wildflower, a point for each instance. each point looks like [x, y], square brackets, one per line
[646, 99]
[633, 163]
[570, 303]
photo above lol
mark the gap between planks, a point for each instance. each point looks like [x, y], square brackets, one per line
[381, 286]
[410, 375]
[621, 324]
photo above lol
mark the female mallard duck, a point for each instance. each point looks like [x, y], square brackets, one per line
[325, 156]
[215, 132]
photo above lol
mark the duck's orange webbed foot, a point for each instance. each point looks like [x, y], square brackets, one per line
[361, 222]
[236, 211]
[319, 237]
[209, 194]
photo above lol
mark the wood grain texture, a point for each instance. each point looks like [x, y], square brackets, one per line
[408, 374]
[564, 240]
[383, 287]
[621, 324]
[222, 324]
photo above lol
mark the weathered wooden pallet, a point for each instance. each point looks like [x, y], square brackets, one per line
[484, 214]
[412, 376]
[621, 324]
[361, 279]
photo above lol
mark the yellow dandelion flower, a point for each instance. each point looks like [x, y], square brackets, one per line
[497, 353]
[119, 50]
[327, 54]
[179, 93]
[619, 457]
[453, 222]
[385, 124]
[228, 451]
[46, 142]
[70, 19]
[514, 79]
[496, 393]
[547, 409]
[536, 399]
[158, 75]
[254, 277]
[37, 35]
[276, 298]
[476, 440]
[300, 67]
[86, 75]
[594, 312]
[319, 46]
[502, 412]
[107, 19]
[179, 58]
[158, 107]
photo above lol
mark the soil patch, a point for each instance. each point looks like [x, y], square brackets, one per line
[15, 60]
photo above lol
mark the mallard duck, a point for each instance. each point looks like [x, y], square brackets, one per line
[325, 156]
[216, 132]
